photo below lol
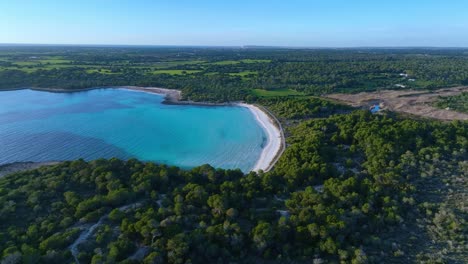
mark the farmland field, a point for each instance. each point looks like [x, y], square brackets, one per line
[274, 93]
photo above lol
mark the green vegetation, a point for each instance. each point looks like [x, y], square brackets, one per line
[275, 93]
[231, 62]
[457, 103]
[352, 187]
[299, 108]
[244, 73]
[220, 75]
[100, 71]
[254, 61]
[175, 72]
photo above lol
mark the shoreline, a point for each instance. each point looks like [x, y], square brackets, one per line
[271, 152]
[271, 126]
[19, 166]
[275, 144]
[173, 96]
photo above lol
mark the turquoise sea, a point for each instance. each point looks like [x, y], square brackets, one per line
[105, 123]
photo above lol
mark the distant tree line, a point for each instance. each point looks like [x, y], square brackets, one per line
[313, 72]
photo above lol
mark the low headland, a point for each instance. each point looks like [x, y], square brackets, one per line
[271, 152]
[22, 166]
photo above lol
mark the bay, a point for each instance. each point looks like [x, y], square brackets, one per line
[105, 123]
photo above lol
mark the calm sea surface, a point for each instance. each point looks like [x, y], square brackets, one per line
[105, 123]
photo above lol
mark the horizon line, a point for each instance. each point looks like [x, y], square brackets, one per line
[232, 46]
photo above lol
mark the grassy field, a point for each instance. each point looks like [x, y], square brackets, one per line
[243, 74]
[276, 93]
[232, 62]
[175, 72]
[26, 63]
[26, 67]
[54, 61]
[31, 64]
[168, 64]
[101, 71]
[59, 62]
[42, 60]
[254, 61]
[423, 84]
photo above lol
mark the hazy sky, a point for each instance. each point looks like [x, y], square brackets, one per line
[316, 23]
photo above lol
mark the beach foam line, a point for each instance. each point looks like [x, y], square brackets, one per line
[274, 138]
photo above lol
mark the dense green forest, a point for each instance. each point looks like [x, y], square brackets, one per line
[300, 108]
[457, 102]
[231, 74]
[351, 187]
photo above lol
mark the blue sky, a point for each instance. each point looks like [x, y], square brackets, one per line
[313, 23]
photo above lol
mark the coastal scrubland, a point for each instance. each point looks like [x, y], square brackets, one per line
[350, 187]
[455, 102]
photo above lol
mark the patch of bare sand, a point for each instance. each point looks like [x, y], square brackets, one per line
[407, 101]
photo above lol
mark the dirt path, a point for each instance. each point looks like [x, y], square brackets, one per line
[83, 237]
[90, 230]
[408, 101]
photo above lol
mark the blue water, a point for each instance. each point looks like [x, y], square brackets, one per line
[105, 123]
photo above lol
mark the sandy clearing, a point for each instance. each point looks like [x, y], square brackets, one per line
[412, 102]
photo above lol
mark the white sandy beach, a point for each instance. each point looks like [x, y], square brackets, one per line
[274, 141]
